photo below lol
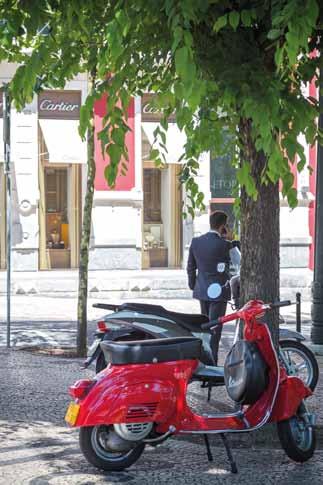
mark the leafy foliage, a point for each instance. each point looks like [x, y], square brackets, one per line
[214, 63]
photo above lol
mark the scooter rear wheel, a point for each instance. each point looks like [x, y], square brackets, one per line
[94, 448]
[300, 361]
[297, 439]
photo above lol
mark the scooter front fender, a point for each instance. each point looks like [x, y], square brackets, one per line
[130, 394]
[291, 393]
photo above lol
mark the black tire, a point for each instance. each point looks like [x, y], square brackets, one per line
[100, 363]
[298, 445]
[102, 458]
[307, 354]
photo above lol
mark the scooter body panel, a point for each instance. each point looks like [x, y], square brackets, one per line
[133, 393]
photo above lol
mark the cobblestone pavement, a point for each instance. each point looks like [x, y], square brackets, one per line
[36, 447]
[43, 454]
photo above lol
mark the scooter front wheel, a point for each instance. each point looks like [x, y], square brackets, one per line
[94, 443]
[297, 438]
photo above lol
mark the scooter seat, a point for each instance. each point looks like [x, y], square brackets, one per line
[151, 351]
[191, 322]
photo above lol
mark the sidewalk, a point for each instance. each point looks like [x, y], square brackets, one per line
[152, 283]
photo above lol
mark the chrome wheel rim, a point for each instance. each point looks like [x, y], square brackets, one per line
[99, 437]
[302, 434]
[298, 364]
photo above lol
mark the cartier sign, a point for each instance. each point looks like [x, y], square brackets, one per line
[149, 112]
[59, 105]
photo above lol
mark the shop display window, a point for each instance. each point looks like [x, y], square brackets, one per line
[154, 251]
[57, 224]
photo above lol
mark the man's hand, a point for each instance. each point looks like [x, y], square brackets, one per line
[229, 235]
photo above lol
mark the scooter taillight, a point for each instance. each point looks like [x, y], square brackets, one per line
[102, 326]
[80, 388]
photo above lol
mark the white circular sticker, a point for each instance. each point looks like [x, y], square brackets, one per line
[221, 267]
[214, 290]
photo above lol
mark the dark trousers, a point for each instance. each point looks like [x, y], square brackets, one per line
[214, 310]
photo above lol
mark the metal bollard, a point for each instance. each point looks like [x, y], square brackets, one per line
[298, 312]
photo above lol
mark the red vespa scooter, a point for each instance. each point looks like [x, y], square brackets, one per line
[140, 398]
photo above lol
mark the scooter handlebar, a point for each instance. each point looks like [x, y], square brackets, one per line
[278, 304]
[235, 315]
[212, 323]
[106, 306]
[220, 321]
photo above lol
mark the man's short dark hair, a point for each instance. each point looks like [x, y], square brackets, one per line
[217, 219]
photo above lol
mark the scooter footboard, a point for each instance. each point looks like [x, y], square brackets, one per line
[291, 392]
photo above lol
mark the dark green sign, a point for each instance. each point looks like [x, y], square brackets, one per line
[223, 176]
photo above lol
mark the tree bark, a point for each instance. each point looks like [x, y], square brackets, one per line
[81, 340]
[259, 233]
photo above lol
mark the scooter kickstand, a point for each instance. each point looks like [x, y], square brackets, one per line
[233, 465]
[209, 391]
[208, 448]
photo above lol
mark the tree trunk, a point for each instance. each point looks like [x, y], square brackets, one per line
[81, 340]
[259, 234]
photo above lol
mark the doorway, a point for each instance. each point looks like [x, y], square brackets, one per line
[60, 216]
[162, 223]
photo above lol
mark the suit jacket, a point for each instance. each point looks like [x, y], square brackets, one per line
[208, 262]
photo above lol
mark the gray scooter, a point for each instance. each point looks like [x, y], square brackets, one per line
[138, 321]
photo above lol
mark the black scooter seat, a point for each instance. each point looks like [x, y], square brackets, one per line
[191, 322]
[151, 351]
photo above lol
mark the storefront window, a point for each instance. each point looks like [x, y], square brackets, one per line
[57, 224]
[152, 195]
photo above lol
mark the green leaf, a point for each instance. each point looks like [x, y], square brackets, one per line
[279, 55]
[220, 23]
[246, 18]
[234, 19]
[117, 135]
[154, 153]
[182, 62]
[114, 152]
[274, 34]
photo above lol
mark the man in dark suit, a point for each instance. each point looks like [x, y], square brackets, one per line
[208, 263]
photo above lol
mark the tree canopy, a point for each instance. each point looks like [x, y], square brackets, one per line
[213, 62]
